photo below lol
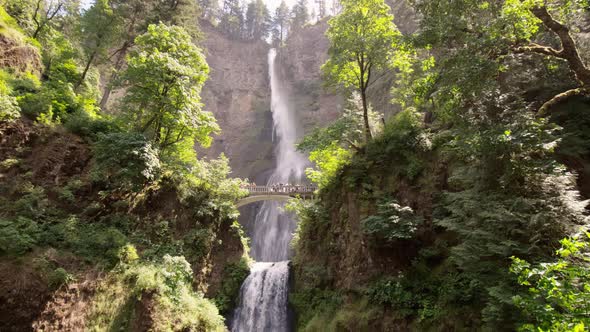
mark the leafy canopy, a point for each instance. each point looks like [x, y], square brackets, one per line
[164, 78]
[362, 40]
[361, 37]
[559, 292]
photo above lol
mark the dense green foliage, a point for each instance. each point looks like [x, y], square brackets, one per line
[9, 109]
[558, 292]
[362, 40]
[392, 222]
[79, 198]
[465, 177]
[164, 77]
[234, 276]
[125, 160]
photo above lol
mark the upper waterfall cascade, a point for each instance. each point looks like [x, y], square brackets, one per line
[273, 227]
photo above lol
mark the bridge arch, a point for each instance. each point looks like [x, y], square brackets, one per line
[281, 193]
[261, 198]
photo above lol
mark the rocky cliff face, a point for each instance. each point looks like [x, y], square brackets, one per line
[238, 93]
[301, 59]
[300, 62]
[238, 90]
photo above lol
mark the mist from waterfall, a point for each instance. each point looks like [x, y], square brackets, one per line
[263, 296]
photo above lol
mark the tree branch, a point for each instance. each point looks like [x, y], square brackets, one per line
[568, 51]
[560, 98]
[35, 18]
[179, 138]
[354, 146]
[536, 48]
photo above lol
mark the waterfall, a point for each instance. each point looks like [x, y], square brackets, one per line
[263, 295]
[273, 228]
[263, 299]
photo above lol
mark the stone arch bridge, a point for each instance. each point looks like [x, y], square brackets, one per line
[281, 193]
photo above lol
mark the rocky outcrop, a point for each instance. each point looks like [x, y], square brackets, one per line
[300, 62]
[16, 53]
[306, 51]
[19, 56]
[238, 94]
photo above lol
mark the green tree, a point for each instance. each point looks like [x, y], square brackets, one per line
[134, 16]
[362, 40]
[299, 14]
[280, 23]
[232, 19]
[346, 132]
[99, 29]
[21, 11]
[257, 20]
[164, 78]
[124, 161]
[44, 13]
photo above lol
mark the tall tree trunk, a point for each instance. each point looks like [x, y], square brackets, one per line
[363, 85]
[368, 135]
[86, 68]
[109, 86]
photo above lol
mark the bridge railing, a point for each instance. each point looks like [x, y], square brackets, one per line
[281, 189]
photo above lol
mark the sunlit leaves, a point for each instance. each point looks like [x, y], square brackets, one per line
[164, 78]
[522, 24]
[9, 109]
[328, 162]
[125, 160]
[391, 222]
[558, 296]
[362, 35]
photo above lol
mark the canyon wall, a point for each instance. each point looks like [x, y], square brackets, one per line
[238, 94]
[238, 90]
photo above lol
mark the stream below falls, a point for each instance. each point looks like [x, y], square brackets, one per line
[263, 302]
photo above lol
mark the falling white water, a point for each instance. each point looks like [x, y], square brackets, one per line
[263, 296]
[273, 228]
[263, 299]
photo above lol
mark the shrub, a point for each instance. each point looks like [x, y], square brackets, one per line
[9, 109]
[8, 164]
[33, 203]
[391, 291]
[125, 161]
[233, 276]
[392, 222]
[59, 277]
[94, 242]
[313, 302]
[18, 235]
[127, 254]
[67, 192]
[198, 241]
[558, 296]
[90, 125]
